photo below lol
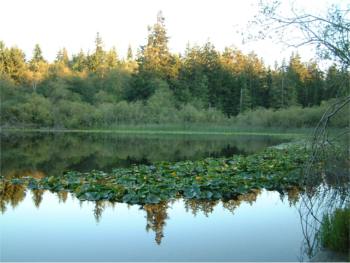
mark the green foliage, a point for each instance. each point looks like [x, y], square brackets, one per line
[79, 62]
[209, 179]
[37, 54]
[143, 85]
[334, 232]
[155, 58]
[202, 85]
[12, 63]
[292, 117]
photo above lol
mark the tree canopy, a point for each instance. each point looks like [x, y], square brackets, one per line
[86, 89]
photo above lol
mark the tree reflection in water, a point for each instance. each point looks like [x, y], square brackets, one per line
[62, 196]
[33, 154]
[11, 194]
[156, 214]
[37, 197]
[98, 210]
[314, 204]
[156, 217]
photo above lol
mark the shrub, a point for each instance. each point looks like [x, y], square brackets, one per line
[334, 232]
[292, 117]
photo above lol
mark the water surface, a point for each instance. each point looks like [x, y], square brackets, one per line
[38, 225]
[40, 154]
[261, 226]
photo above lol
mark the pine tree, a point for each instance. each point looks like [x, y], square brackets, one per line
[3, 58]
[96, 61]
[155, 57]
[38, 67]
[336, 82]
[112, 59]
[37, 54]
[79, 61]
[12, 63]
[295, 91]
[129, 55]
[245, 95]
[314, 85]
[62, 56]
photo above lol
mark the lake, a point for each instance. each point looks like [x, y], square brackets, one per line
[42, 154]
[38, 225]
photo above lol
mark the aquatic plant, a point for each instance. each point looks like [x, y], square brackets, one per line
[208, 179]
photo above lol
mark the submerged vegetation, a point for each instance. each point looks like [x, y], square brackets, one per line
[209, 179]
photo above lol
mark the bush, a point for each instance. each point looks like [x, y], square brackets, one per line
[292, 117]
[334, 232]
[73, 114]
[35, 110]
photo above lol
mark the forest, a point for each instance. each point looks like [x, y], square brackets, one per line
[154, 86]
[209, 140]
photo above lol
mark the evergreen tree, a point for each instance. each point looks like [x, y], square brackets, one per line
[112, 59]
[194, 81]
[79, 62]
[210, 62]
[38, 67]
[336, 82]
[314, 85]
[277, 96]
[3, 58]
[230, 86]
[96, 87]
[267, 89]
[37, 55]
[292, 86]
[155, 57]
[129, 55]
[62, 56]
[96, 61]
[245, 94]
[12, 63]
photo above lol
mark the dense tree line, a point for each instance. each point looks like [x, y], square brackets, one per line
[154, 86]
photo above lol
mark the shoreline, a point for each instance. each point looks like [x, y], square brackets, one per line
[164, 131]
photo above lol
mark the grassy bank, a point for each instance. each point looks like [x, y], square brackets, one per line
[262, 120]
[173, 129]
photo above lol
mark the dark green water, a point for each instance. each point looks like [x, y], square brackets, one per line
[56, 153]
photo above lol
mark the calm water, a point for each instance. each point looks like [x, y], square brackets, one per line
[41, 226]
[24, 154]
[257, 227]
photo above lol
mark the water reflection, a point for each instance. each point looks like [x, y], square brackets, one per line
[247, 228]
[11, 195]
[314, 204]
[156, 217]
[38, 155]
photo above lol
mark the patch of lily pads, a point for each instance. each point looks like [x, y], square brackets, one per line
[208, 179]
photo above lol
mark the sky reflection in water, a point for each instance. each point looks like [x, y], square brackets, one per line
[65, 229]
[42, 226]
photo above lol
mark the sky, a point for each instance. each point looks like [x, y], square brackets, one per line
[73, 24]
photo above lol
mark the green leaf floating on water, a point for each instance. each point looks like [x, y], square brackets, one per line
[208, 179]
[152, 199]
[17, 181]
